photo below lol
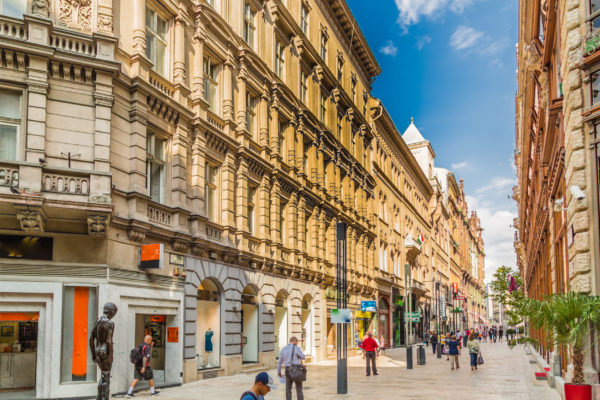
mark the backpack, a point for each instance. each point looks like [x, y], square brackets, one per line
[135, 355]
[250, 393]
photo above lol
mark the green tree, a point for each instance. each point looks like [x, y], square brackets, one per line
[500, 293]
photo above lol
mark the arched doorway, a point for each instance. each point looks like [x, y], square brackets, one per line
[306, 338]
[281, 321]
[249, 325]
[208, 325]
[384, 321]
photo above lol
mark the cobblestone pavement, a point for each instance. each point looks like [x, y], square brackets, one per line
[506, 374]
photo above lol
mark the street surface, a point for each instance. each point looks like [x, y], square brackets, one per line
[506, 374]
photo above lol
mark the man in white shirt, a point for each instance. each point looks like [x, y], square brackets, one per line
[288, 356]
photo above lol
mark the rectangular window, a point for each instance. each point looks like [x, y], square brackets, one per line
[354, 89]
[304, 20]
[365, 100]
[282, 223]
[596, 87]
[10, 124]
[279, 59]
[156, 41]
[251, 209]
[210, 83]
[339, 126]
[80, 307]
[251, 116]
[282, 140]
[340, 69]
[323, 108]
[324, 46]
[155, 167]
[210, 191]
[249, 25]
[13, 8]
[303, 85]
[595, 13]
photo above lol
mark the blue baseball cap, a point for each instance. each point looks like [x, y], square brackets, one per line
[265, 379]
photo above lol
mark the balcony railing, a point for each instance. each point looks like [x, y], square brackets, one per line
[159, 216]
[9, 175]
[12, 29]
[73, 44]
[65, 183]
[214, 232]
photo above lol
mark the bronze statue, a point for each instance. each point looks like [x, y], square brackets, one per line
[101, 346]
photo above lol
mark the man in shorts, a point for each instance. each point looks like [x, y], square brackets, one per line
[143, 370]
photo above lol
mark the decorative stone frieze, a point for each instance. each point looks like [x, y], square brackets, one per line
[31, 219]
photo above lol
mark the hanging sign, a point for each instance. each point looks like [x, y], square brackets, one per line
[368, 306]
[151, 256]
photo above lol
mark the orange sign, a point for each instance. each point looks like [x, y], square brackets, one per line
[157, 318]
[172, 334]
[151, 256]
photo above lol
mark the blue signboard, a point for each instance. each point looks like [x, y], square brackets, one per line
[368, 306]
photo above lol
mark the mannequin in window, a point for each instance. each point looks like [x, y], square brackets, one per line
[208, 345]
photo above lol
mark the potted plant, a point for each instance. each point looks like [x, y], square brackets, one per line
[569, 319]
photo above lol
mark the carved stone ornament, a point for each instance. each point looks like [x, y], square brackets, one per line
[40, 8]
[532, 58]
[31, 220]
[75, 12]
[136, 235]
[179, 246]
[105, 23]
[97, 225]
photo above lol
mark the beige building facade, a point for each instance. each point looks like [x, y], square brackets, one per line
[235, 135]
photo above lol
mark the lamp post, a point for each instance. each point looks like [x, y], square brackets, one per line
[408, 318]
[437, 297]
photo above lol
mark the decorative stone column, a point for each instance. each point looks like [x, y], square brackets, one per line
[198, 69]
[292, 214]
[105, 16]
[227, 89]
[274, 127]
[139, 26]
[242, 195]
[264, 207]
[179, 56]
[275, 211]
[179, 150]
[242, 79]
[228, 191]
[198, 165]
[263, 120]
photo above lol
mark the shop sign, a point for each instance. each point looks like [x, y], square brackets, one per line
[363, 315]
[172, 334]
[157, 318]
[461, 298]
[151, 256]
[368, 305]
[455, 288]
[341, 316]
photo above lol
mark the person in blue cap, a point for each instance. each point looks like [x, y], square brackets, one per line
[262, 385]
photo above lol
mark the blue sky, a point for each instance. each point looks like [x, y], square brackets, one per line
[450, 64]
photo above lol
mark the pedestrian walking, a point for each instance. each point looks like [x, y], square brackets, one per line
[434, 339]
[370, 346]
[446, 343]
[263, 383]
[427, 337]
[289, 357]
[454, 351]
[140, 356]
[382, 344]
[500, 332]
[473, 346]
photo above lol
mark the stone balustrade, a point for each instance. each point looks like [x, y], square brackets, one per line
[72, 44]
[12, 29]
[65, 183]
[9, 175]
[159, 216]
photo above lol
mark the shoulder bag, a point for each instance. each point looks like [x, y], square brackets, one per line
[479, 359]
[297, 372]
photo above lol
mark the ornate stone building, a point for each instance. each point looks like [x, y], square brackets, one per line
[556, 156]
[232, 135]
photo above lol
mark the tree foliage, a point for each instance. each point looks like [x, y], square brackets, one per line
[499, 291]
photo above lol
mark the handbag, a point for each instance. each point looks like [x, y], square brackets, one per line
[479, 359]
[296, 372]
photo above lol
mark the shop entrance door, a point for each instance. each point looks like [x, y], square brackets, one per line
[249, 326]
[153, 325]
[18, 351]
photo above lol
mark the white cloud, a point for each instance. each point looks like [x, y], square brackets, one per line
[411, 11]
[389, 49]
[498, 183]
[422, 41]
[465, 37]
[460, 165]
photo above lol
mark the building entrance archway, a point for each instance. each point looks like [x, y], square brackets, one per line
[306, 320]
[281, 321]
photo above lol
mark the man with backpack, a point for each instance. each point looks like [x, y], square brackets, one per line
[295, 373]
[140, 357]
[263, 383]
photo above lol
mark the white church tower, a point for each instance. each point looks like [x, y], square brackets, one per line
[421, 149]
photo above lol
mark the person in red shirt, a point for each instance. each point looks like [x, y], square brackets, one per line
[369, 345]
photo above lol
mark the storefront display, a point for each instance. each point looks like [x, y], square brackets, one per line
[18, 350]
[155, 326]
[208, 325]
[281, 322]
[306, 322]
[249, 322]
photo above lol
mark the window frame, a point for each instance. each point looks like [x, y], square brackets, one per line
[18, 123]
[251, 122]
[249, 25]
[251, 208]
[323, 107]
[597, 73]
[279, 59]
[303, 85]
[153, 31]
[304, 19]
[210, 75]
[592, 15]
[24, 11]
[323, 46]
[151, 158]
